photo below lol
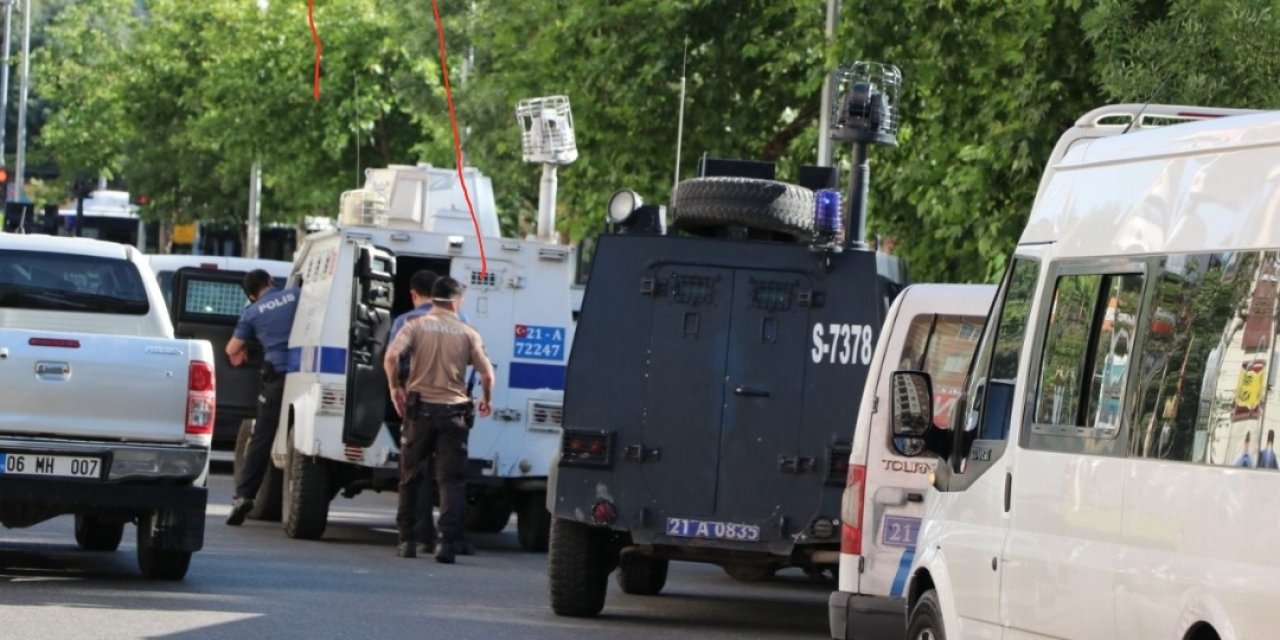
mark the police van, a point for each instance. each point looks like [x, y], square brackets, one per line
[1111, 470]
[339, 432]
[932, 328]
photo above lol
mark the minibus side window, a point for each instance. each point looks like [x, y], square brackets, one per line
[1084, 369]
[988, 399]
[1207, 363]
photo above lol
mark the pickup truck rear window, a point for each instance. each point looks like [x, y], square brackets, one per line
[69, 282]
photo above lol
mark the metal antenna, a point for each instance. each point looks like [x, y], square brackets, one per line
[1138, 117]
[357, 103]
[680, 122]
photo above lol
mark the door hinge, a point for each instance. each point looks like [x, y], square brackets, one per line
[796, 464]
[641, 453]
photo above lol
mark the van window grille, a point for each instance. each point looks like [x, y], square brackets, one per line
[771, 296]
[693, 290]
[486, 279]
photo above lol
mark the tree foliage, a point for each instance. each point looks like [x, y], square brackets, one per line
[181, 99]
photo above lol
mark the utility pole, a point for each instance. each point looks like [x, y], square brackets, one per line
[255, 211]
[4, 87]
[824, 116]
[21, 163]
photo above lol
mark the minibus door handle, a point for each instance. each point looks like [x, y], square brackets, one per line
[1008, 490]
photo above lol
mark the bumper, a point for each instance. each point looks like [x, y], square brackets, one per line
[86, 495]
[170, 464]
[856, 617]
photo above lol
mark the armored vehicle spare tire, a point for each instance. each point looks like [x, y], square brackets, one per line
[722, 201]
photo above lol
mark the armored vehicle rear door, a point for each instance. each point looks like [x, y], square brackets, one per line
[371, 297]
[688, 347]
[764, 388]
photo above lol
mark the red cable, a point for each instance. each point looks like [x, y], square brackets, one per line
[457, 144]
[315, 35]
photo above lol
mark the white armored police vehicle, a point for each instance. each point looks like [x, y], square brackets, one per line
[339, 431]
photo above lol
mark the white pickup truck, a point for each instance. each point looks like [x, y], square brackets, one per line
[103, 414]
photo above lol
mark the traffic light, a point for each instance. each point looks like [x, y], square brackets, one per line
[4, 184]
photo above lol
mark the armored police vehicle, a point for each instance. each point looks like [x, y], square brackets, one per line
[339, 432]
[716, 375]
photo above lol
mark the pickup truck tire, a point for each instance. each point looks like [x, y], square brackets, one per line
[157, 564]
[533, 523]
[577, 569]
[306, 495]
[267, 505]
[721, 201]
[488, 516]
[95, 534]
[641, 575]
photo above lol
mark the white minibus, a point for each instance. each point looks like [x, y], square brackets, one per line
[1110, 470]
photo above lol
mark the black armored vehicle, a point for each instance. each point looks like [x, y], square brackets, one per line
[716, 375]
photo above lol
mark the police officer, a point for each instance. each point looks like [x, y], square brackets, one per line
[420, 294]
[269, 318]
[437, 412]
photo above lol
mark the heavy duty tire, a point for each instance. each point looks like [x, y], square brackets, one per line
[159, 564]
[721, 201]
[306, 495]
[925, 622]
[488, 516]
[533, 523]
[641, 575]
[267, 504]
[577, 569]
[749, 572]
[95, 534]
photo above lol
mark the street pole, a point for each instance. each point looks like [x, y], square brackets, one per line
[255, 211]
[4, 85]
[20, 165]
[824, 117]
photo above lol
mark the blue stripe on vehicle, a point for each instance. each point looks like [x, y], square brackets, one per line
[904, 565]
[317, 360]
[526, 375]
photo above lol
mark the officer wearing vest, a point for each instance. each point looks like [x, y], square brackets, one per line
[437, 413]
[269, 318]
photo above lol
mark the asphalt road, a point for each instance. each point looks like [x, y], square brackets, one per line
[253, 582]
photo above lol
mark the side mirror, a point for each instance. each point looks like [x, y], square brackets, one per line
[911, 411]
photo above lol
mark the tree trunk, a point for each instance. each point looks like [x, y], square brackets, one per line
[776, 147]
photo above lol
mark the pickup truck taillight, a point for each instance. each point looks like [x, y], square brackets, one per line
[851, 511]
[201, 400]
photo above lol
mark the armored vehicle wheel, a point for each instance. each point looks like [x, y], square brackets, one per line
[488, 516]
[768, 205]
[642, 575]
[95, 534]
[267, 504]
[577, 569]
[533, 525]
[306, 495]
[925, 622]
[157, 563]
[749, 572]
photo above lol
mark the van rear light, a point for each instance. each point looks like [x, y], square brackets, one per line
[586, 448]
[63, 343]
[201, 401]
[851, 511]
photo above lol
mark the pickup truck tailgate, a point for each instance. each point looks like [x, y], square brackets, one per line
[74, 385]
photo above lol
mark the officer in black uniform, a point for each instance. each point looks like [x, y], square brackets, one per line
[269, 318]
